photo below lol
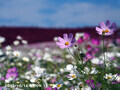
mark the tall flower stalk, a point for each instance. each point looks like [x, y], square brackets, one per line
[104, 55]
[106, 30]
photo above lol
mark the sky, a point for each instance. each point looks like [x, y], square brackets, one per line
[58, 13]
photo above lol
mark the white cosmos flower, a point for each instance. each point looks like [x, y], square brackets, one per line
[8, 80]
[55, 38]
[8, 48]
[24, 42]
[66, 82]
[28, 75]
[19, 37]
[2, 39]
[72, 76]
[26, 59]
[2, 59]
[81, 87]
[12, 64]
[87, 70]
[94, 71]
[109, 77]
[8, 52]
[78, 35]
[1, 52]
[97, 61]
[16, 53]
[68, 56]
[19, 64]
[39, 71]
[32, 85]
[108, 56]
[16, 42]
[118, 78]
[70, 67]
[61, 70]
[33, 79]
[118, 54]
[58, 86]
[46, 56]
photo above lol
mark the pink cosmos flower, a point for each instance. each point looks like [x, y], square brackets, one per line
[49, 88]
[9, 75]
[89, 47]
[53, 80]
[14, 69]
[12, 72]
[80, 40]
[86, 36]
[118, 40]
[66, 42]
[106, 29]
[2, 78]
[88, 56]
[95, 42]
[90, 83]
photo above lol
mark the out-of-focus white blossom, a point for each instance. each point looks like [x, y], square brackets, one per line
[78, 35]
[110, 77]
[16, 43]
[8, 48]
[24, 42]
[17, 53]
[19, 37]
[26, 59]
[55, 38]
[88, 71]
[2, 39]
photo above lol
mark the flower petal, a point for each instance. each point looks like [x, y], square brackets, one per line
[108, 23]
[61, 39]
[103, 26]
[59, 43]
[65, 36]
[73, 40]
[113, 26]
[99, 29]
[62, 46]
[70, 36]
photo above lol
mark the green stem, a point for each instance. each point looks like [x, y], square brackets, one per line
[104, 55]
[71, 53]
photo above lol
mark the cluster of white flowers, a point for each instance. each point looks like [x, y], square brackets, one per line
[111, 77]
[20, 40]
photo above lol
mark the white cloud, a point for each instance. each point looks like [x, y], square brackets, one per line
[32, 13]
[24, 11]
[85, 13]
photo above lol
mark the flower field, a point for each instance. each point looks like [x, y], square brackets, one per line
[67, 63]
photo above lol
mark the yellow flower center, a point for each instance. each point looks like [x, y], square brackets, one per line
[81, 85]
[16, 54]
[73, 76]
[66, 43]
[105, 31]
[59, 85]
[17, 82]
[36, 80]
[109, 77]
[11, 75]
